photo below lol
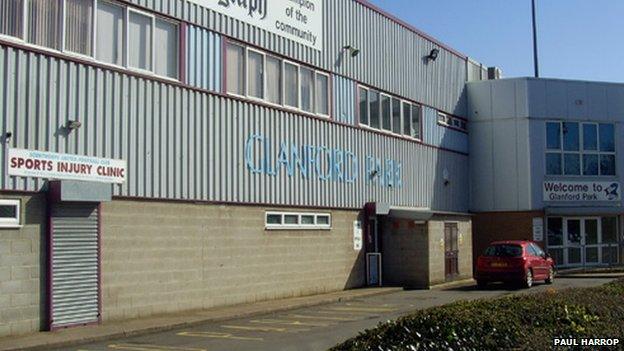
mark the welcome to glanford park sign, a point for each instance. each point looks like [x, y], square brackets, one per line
[588, 191]
[50, 165]
[298, 20]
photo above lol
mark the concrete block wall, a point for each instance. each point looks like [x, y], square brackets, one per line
[161, 257]
[435, 228]
[405, 253]
[22, 289]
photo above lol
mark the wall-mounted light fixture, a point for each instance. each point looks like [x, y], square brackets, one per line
[7, 136]
[353, 51]
[73, 125]
[433, 55]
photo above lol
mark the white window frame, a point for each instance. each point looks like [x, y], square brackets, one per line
[284, 104]
[282, 80]
[319, 73]
[363, 125]
[177, 48]
[246, 73]
[420, 121]
[127, 41]
[381, 117]
[12, 223]
[94, 3]
[299, 225]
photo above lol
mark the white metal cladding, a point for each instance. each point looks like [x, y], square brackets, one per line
[203, 54]
[440, 136]
[185, 144]
[344, 99]
[392, 57]
[75, 262]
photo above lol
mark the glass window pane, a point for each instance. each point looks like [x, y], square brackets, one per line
[140, 41]
[590, 137]
[590, 164]
[11, 17]
[555, 231]
[110, 33]
[386, 118]
[79, 26]
[416, 121]
[307, 219]
[166, 48]
[235, 71]
[407, 119]
[557, 255]
[570, 136]
[291, 85]
[396, 116]
[322, 220]
[572, 164]
[553, 135]
[44, 23]
[274, 80]
[274, 219]
[591, 231]
[609, 230]
[291, 219]
[8, 211]
[553, 164]
[322, 94]
[255, 74]
[374, 109]
[607, 138]
[307, 89]
[607, 165]
[363, 97]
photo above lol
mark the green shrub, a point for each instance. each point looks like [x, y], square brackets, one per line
[524, 322]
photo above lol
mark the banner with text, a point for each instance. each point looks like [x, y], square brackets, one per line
[50, 165]
[298, 20]
[564, 191]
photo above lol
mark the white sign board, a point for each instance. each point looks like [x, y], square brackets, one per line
[538, 229]
[298, 20]
[50, 165]
[357, 235]
[581, 191]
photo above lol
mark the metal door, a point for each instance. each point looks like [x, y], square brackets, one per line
[451, 251]
[74, 283]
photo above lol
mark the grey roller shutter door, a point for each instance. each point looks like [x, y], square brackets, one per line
[75, 288]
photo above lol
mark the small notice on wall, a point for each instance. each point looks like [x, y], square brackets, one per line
[538, 229]
[357, 235]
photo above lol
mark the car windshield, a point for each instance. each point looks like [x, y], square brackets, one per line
[504, 250]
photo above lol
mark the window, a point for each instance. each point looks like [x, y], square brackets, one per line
[79, 26]
[110, 33]
[307, 89]
[363, 106]
[44, 23]
[386, 113]
[297, 221]
[255, 74]
[555, 231]
[139, 41]
[235, 57]
[374, 109]
[10, 213]
[416, 122]
[322, 94]
[407, 118]
[580, 149]
[166, 48]
[389, 113]
[453, 122]
[12, 17]
[396, 116]
[291, 84]
[274, 80]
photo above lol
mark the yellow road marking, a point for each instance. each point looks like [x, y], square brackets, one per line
[287, 322]
[329, 318]
[215, 335]
[147, 347]
[250, 328]
[361, 309]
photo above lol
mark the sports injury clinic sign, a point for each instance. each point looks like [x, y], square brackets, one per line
[297, 20]
[51, 165]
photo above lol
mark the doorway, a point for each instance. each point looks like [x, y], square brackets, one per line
[451, 251]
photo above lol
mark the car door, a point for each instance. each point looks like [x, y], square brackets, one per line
[534, 262]
[540, 261]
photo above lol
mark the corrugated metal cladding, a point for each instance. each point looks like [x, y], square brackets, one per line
[203, 54]
[184, 144]
[392, 57]
[75, 264]
[344, 100]
[440, 136]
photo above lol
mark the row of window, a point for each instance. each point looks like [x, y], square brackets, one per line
[304, 220]
[382, 111]
[257, 75]
[574, 148]
[451, 121]
[10, 213]
[107, 31]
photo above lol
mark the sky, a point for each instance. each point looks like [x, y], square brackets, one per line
[578, 39]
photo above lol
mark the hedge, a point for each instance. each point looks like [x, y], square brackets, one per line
[521, 322]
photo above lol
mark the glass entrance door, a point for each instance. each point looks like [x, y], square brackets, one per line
[592, 241]
[574, 242]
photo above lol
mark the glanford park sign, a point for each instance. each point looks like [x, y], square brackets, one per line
[563, 191]
[50, 165]
[298, 20]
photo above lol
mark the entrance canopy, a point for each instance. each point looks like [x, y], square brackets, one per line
[412, 213]
[583, 211]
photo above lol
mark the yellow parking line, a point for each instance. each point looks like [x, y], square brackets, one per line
[148, 347]
[287, 322]
[250, 328]
[215, 335]
[329, 318]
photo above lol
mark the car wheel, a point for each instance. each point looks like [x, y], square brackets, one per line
[528, 280]
[481, 284]
[551, 276]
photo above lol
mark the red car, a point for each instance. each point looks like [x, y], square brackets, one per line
[516, 261]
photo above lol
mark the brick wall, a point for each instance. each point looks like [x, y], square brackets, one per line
[21, 285]
[167, 257]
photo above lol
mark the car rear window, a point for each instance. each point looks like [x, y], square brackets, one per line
[504, 250]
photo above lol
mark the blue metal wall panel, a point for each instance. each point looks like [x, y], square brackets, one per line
[204, 56]
[344, 100]
[441, 136]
